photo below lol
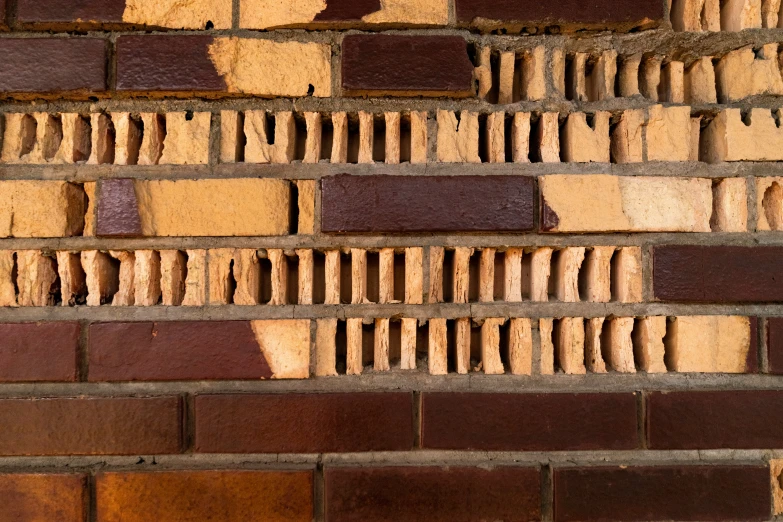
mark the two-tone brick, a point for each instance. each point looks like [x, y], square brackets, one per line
[42, 497]
[39, 352]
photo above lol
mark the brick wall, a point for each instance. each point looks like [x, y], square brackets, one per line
[335, 260]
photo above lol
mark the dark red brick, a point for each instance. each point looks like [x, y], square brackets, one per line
[775, 345]
[118, 209]
[427, 204]
[529, 422]
[227, 496]
[703, 493]
[166, 63]
[347, 10]
[43, 497]
[453, 494]
[312, 423]
[719, 274]
[89, 12]
[171, 351]
[50, 65]
[406, 65]
[570, 14]
[94, 426]
[3, 21]
[713, 420]
[39, 352]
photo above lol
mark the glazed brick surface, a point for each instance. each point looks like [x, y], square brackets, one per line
[696, 493]
[39, 352]
[405, 494]
[552, 422]
[117, 209]
[775, 344]
[40, 497]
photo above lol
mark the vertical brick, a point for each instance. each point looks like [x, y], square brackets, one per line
[775, 345]
[43, 497]
[39, 352]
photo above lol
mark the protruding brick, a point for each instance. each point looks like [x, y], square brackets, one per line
[462, 329]
[490, 347]
[729, 138]
[700, 86]
[520, 346]
[620, 353]
[408, 343]
[627, 275]
[649, 333]
[101, 275]
[598, 273]
[458, 140]
[583, 142]
[126, 292]
[414, 275]
[743, 73]
[696, 15]
[594, 360]
[36, 278]
[627, 143]
[669, 136]
[326, 348]
[73, 281]
[731, 205]
[570, 345]
[41, 209]
[39, 497]
[461, 275]
[438, 347]
[569, 264]
[710, 344]
[545, 329]
[187, 139]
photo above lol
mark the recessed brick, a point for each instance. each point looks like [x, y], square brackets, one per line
[94, 426]
[529, 422]
[406, 65]
[717, 274]
[43, 497]
[228, 496]
[662, 493]
[117, 209]
[53, 65]
[618, 15]
[199, 350]
[427, 204]
[407, 494]
[713, 420]
[39, 352]
[297, 423]
[775, 345]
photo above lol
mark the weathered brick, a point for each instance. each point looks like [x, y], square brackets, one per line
[43, 497]
[407, 494]
[710, 344]
[603, 203]
[348, 422]
[163, 63]
[709, 274]
[552, 422]
[615, 14]
[41, 208]
[775, 344]
[406, 65]
[700, 493]
[729, 138]
[427, 204]
[711, 420]
[39, 352]
[744, 73]
[193, 14]
[94, 426]
[200, 350]
[229, 496]
[53, 65]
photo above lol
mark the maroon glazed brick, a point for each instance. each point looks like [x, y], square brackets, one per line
[715, 420]
[43, 497]
[90, 426]
[775, 345]
[719, 274]
[169, 351]
[406, 65]
[304, 423]
[166, 63]
[59, 11]
[118, 209]
[453, 494]
[529, 422]
[39, 65]
[639, 493]
[347, 10]
[400, 204]
[32, 352]
[3, 20]
[616, 14]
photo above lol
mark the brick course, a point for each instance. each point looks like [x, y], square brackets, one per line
[39, 352]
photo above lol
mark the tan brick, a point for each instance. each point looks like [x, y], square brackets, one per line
[381, 346]
[495, 137]
[598, 274]
[569, 264]
[582, 142]
[462, 344]
[577, 79]
[731, 205]
[314, 142]
[629, 75]
[620, 345]
[600, 83]
[435, 294]
[736, 15]
[627, 137]
[102, 139]
[173, 270]
[594, 360]
[408, 343]
[359, 276]
[438, 347]
[353, 333]
[41, 209]
[520, 138]
[414, 275]
[127, 138]
[326, 347]
[512, 285]
[73, 283]
[154, 135]
[769, 204]
[366, 136]
[650, 77]
[306, 188]
[187, 141]
[176, 14]
[487, 275]
[744, 73]
[696, 15]
[708, 344]
[126, 293]
[305, 277]
[520, 346]
[7, 283]
[393, 140]
[669, 133]
[332, 277]
[776, 476]
[490, 347]
[700, 82]
[279, 277]
[570, 345]
[648, 344]
[36, 276]
[286, 347]
[458, 141]
[627, 275]
[461, 276]
[770, 13]
[728, 138]
[195, 284]
[247, 275]
[148, 278]
[548, 137]
[673, 82]
[540, 269]
[419, 137]
[533, 83]
[545, 327]
[102, 277]
[340, 138]
[283, 142]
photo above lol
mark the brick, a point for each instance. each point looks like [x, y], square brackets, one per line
[729, 138]
[713, 420]
[192, 14]
[603, 203]
[407, 494]
[714, 492]
[267, 14]
[41, 209]
[743, 73]
[3, 21]
[406, 65]
[427, 204]
[41, 497]
[717, 274]
[53, 65]
[528, 422]
[296, 423]
[775, 345]
[166, 63]
[571, 14]
[187, 139]
[94, 426]
[118, 209]
[31, 352]
[711, 344]
[229, 496]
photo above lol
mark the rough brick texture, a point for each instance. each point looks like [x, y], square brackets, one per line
[32, 352]
[42, 497]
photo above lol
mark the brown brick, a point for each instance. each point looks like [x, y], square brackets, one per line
[427, 204]
[39, 352]
[3, 21]
[95, 426]
[51, 65]
[775, 345]
[43, 497]
[406, 65]
[575, 14]
[346, 422]
[228, 496]
[724, 274]
[407, 494]
[662, 493]
[529, 422]
[714, 420]
[117, 209]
